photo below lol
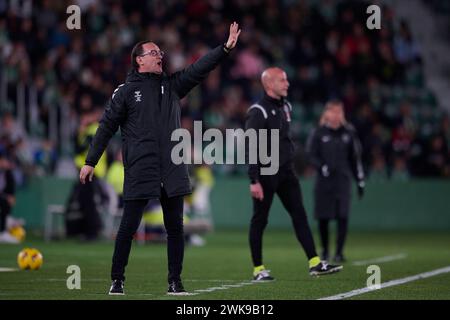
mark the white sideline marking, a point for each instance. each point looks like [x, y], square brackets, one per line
[8, 269]
[210, 280]
[232, 285]
[194, 293]
[182, 294]
[126, 294]
[388, 284]
[223, 287]
[381, 260]
[64, 280]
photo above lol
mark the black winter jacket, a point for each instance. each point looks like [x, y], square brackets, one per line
[336, 154]
[269, 113]
[147, 110]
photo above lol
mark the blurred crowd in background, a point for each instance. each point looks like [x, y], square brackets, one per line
[54, 81]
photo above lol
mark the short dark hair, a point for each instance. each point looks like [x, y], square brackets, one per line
[137, 51]
[334, 102]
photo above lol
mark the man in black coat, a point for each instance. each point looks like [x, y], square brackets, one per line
[273, 112]
[7, 197]
[334, 149]
[147, 110]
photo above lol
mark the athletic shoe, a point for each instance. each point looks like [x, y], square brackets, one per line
[6, 237]
[339, 258]
[196, 240]
[176, 289]
[324, 268]
[12, 222]
[116, 288]
[263, 275]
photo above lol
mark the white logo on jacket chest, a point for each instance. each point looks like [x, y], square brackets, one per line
[137, 96]
[287, 112]
[274, 112]
[345, 138]
[325, 139]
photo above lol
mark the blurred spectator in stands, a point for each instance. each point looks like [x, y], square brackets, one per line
[444, 130]
[378, 171]
[437, 159]
[83, 208]
[115, 177]
[7, 197]
[330, 83]
[406, 118]
[399, 170]
[324, 46]
[15, 140]
[249, 63]
[45, 157]
[401, 140]
[389, 69]
[405, 47]
[11, 129]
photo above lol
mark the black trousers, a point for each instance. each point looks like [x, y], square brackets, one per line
[287, 187]
[342, 227]
[173, 222]
[5, 209]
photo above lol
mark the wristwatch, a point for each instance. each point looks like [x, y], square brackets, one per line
[226, 49]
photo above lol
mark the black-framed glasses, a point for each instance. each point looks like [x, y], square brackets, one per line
[153, 53]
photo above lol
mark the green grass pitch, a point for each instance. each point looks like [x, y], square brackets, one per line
[224, 264]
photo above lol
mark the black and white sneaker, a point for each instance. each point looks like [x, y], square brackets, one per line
[263, 275]
[116, 288]
[339, 258]
[176, 289]
[324, 268]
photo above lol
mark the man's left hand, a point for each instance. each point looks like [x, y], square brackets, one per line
[11, 200]
[361, 186]
[234, 35]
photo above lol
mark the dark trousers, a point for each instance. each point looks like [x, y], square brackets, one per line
[5, 209]
[287, 187]
[173, 222]
[342, 226]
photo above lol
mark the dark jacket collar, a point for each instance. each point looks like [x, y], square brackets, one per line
[134, 75]
[338, 130]
[273, 101]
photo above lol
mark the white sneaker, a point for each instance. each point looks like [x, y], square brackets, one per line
[14, 222]
[6, 237]
[196, 240]
[262, 276]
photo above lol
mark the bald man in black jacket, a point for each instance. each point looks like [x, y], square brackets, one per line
[273, 112]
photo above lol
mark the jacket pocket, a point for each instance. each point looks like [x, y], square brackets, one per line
[125, 155]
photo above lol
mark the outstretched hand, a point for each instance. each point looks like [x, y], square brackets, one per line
[86, 172]
[234, 35]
